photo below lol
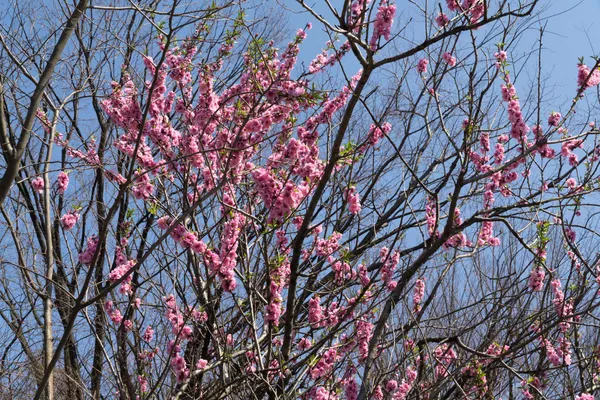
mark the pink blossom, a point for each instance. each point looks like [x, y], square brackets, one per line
[383, 23]
[449, 59]
[554, 118]
[326, 247]
[127, 325]
[475, 8]
[353, 200]
[422, 66]
[228, 252]
[431, 215]
[113, 312]
[325, 364]
[486, 235]
[587, 77]
[142, 188]
[87, 255]
[376, 133]
[143, 381]
[62, 182]
[418, 293]
[324, 59]
[148, 334]
[119, 272]
[351, 389]
[38, 184]
[390, 262]
[315, 312]
[378, 393]
[391, 385]
[304, 344]
[567, 148]
[201, 364]
[453, 5]
[69, 220]
[536, 279]
[442, 20]
[164, 222]
[364, 333]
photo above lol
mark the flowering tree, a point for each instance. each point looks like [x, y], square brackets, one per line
[195, 214]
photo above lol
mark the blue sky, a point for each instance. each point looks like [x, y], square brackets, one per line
[572, 32]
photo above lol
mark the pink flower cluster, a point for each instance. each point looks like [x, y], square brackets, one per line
[363, 275]
[357, 15]
[525, 388]
[389, 264]
[279, 278]
[321, 317]
[544, 149]
[186, 239]
[418, 294]
[87, 255]
[38, 184]
[122, 107]
[351, 388]
[383, 23]
[586, 78]
[304, 344]
[113, 312]
[324, 59]
[353, 199]
[148, 334]
[228, 252]
[536, 279]
[486, 234]
[325, 364]
[449, 58]
[431, 216]
[453, 5]
[62, 182]
[364, 333]
[182, 333]
[564, 308]
[315, 312]
[444, 355]
[320, 393]
[69, 220]
[376, 133]
[118, 273]
[400, 391]
[474, 8]
[442, 20]
[308, 133]
[326, 247]
[281, 199]
[142, 188]
[179, 60]
[422, 66]
[519, 128]
[559, 355]
[554, 118]
[460, 239]
[566, 150]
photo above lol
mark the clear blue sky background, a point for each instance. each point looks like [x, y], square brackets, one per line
[573, 31]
